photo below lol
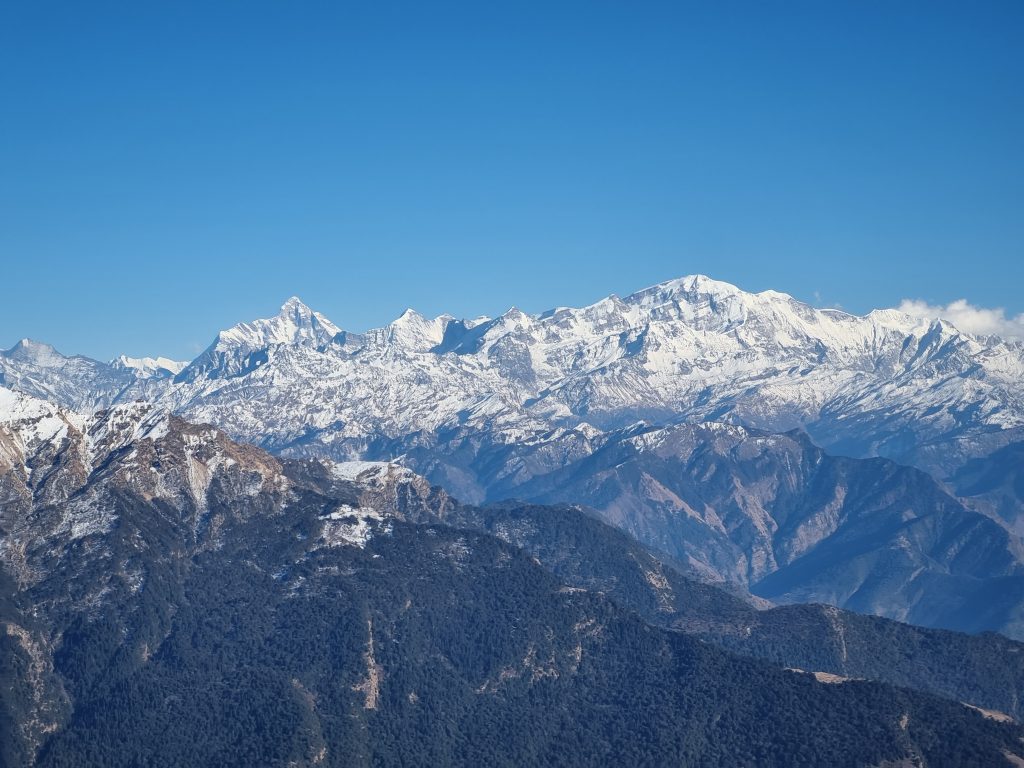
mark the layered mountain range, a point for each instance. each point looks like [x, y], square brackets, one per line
[692, 349]
[672, 413]
[174, 597]
[794, 524]
[689, 350]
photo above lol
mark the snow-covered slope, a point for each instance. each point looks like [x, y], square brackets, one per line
[692, 349]
[689, 349]
[81, 383]
[150, 367]
[64, 476]
[243, 347]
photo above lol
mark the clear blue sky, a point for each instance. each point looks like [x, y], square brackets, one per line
[168, 169]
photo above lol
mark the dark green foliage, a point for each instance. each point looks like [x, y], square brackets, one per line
[239, 638]
[986, 670]
[484, 659]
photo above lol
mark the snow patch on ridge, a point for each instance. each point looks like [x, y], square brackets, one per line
[148, 367]
[34, 421]
[352, 526]
[354, 470]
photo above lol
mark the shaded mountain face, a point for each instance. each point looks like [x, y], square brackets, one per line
[172, 597]
[794, 524]
[995, 485]
[985, 670]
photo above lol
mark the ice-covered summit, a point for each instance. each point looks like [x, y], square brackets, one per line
[244, 346]
[149, 367]
[295, 323]
[689, 349]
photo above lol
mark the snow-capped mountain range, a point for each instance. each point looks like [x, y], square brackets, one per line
[533, 406]
[81, 383]
[692, 349]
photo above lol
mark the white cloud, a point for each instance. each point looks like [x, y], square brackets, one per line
[820, 302]
[980, 321]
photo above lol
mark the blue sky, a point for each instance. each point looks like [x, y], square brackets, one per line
[168, 169]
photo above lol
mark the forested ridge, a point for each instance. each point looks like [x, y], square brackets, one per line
[478, 656]
[292, 615]
[986, 670]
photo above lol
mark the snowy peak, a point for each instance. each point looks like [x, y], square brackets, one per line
[295, 323]
[414, 332]
[301, 317]
[708, 305]
[75, 382]
[246, 346]
[688, 286]
[150, 367]
[35, 352]
[698, 291]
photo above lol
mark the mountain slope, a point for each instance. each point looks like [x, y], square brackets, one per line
[244, 347]
[487, 407]
[182, 599]
[985, 670]
[80, 383]
[795, 524]
[995, 484]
